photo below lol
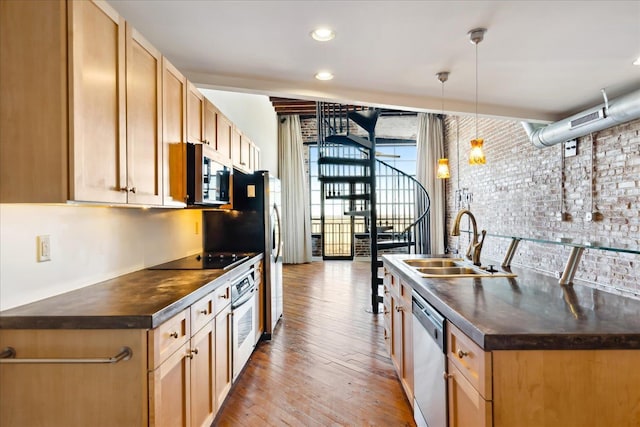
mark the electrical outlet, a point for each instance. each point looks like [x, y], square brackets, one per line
[43, 248]
[588, 217]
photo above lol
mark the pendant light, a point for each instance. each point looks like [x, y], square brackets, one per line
[443, 163]
[476, 156]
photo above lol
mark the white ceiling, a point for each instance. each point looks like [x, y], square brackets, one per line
[540, 60]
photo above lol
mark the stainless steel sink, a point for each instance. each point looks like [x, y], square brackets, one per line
[451, 267]
[449, 271]
[432, 262]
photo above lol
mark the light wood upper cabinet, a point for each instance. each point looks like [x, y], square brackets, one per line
[195, 114]
[98, 149]
[210, 123]
[236, 149]
[174, 135]
[66, 119]
[144, 104]
[224, 130]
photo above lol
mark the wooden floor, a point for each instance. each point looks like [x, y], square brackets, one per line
[326, 364]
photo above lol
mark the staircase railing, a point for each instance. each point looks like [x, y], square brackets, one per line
[403, 206]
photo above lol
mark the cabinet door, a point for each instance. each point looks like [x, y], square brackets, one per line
[407, 342]
[223, 355]
[203, 391]
[396, 333]
[223, 140]
[467, 408]
[169, 387]
[195, 113]
[97, 103]
[236, 140]
[245, 148]
[144, 102]
[209, 122]
[174, 135]
[74, 394]
[33, 89]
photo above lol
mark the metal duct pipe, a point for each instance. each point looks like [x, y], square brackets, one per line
[620, 110]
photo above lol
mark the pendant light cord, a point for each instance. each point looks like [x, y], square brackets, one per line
[476, 90]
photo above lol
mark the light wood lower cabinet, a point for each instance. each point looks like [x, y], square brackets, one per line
[466, 405]
[399, 329]
[223, 369]
[74, 394]
[179, 373]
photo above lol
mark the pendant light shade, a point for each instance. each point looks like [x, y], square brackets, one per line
[443, 169]
[443, 164]
[476, 156]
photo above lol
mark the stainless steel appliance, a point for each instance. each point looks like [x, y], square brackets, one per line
[207, 179]
[205, 260]
[253, 225]
[243, 325]
[429, 358]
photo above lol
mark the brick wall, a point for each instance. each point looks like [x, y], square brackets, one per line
[518, 192]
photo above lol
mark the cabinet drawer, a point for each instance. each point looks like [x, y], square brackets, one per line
[221, 298]
[202, 312]
[168, 337]
[473, 362]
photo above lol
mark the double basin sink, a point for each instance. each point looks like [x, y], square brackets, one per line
[452, 267]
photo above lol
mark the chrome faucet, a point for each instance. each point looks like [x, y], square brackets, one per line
[475, 247]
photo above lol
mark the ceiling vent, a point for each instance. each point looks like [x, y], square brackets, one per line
[586, 119]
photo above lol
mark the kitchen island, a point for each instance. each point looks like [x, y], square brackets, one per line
[522, 351]
[148, 348]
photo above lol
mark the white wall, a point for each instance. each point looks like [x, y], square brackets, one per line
[88, 245]
[256, 117]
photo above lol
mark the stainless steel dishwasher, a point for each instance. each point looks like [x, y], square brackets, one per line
[430, 385]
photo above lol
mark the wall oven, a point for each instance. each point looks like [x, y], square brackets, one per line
[244, 326]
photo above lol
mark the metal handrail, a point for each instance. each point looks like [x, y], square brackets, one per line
[8, 355]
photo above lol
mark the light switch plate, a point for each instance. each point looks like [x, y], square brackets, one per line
[251, 190]
[43, 248]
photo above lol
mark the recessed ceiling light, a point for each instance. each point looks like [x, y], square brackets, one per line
[323, 34]
[637, 61]
[324, 75]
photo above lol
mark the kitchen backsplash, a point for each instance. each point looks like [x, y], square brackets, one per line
[88, 245]
[518, 192]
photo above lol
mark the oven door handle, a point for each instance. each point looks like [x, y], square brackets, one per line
[243, 299]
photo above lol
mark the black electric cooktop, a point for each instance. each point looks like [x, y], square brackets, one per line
[205, 260]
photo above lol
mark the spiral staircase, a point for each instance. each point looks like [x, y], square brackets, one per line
[391, 206]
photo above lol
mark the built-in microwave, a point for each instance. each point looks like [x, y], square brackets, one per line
[208, 180]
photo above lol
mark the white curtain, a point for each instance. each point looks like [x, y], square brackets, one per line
[296, 219]
[430, 142]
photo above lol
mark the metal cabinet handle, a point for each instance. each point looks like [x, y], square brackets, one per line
[174, 334]
[8, 354]
[132, 190]
[446, 376]
[223, 296]
[205, 312]
[462, 354]
[399, 308]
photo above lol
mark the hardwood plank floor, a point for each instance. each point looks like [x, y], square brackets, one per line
[326, 364]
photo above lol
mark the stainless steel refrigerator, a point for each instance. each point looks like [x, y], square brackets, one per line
[252, 226]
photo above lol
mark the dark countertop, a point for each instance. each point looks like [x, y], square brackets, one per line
[140, 300]
[531, 311]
